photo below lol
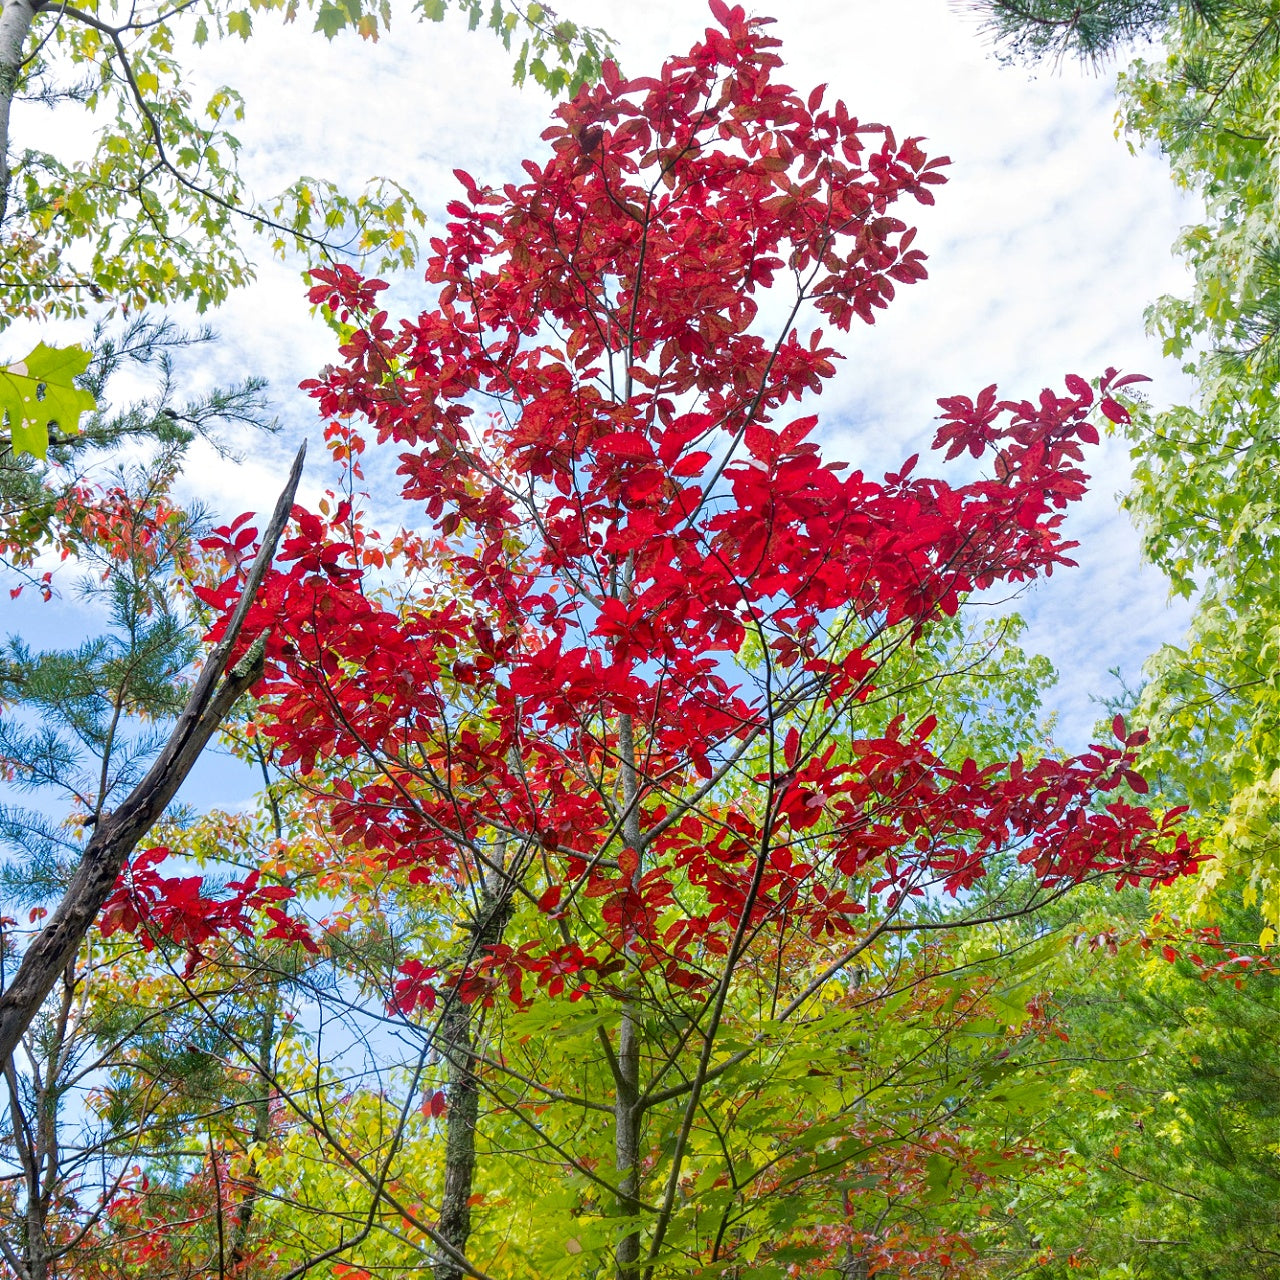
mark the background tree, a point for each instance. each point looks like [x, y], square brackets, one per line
[155, 213]
[1092, 31]
[1203, 500]
[1163, 1103]
[69, 713]
[1173, 1167]
[1203, 495]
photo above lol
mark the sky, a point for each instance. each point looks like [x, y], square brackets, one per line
[1044, 248]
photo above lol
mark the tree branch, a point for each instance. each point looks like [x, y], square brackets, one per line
[215, 692]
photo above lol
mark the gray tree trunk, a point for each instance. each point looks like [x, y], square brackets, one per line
[457, 1045]
[626, 1108]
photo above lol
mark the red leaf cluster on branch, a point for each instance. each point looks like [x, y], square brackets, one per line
[174, 907]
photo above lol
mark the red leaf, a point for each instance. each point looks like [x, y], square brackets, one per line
[691, 464]
[1114, 410]
[1079, 388]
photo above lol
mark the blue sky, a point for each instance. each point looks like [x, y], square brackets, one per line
[1044, 248]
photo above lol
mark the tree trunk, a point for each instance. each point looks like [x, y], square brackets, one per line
[35, 1138]
[626, 1120]
[463, 1114]
[15, 24]
[261, 1130]
[626, 1107]
[853, 1266]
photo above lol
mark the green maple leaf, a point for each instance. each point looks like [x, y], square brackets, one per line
[40, 392]
[330, 20]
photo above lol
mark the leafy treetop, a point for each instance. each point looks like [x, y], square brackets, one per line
[151, 214]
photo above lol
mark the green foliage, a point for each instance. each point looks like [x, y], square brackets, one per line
[81, 721]
[1166, 1106]
[976, 680]
[153, 214]
[1166, 1111]
[1205, 495]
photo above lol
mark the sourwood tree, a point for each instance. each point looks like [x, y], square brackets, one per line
[599, 738]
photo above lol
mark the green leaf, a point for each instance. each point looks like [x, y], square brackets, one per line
[330, 20]
[939, 1170]
[40, 391]
[1032, 1095]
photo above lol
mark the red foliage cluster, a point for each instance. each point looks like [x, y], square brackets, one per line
[1201, 946]
[114, 524]
[662, 596]
[174, 907]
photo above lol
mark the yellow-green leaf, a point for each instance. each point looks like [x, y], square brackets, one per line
[40, 391]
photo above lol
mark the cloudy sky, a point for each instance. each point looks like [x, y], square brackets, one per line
[1044, 248]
